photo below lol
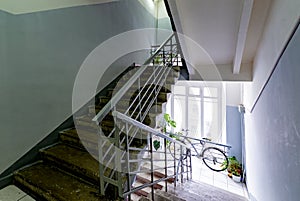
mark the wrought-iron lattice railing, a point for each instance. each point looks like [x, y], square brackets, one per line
[116, 166]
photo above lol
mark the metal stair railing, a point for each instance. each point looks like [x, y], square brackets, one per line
[179, 167]
[111, 147]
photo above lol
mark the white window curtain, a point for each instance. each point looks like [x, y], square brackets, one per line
[200, 108]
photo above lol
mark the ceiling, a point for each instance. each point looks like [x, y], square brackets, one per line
[29, 6]
[226, 32]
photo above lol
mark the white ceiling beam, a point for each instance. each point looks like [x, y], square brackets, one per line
[242, 35]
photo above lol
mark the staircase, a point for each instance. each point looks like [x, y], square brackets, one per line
[194, 191]
[69, 170]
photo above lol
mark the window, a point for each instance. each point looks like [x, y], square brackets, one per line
[198, 107]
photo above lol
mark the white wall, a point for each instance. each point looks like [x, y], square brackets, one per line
[233, 93]
[283, 16]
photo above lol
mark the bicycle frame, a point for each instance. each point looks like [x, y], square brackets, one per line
[202, 142]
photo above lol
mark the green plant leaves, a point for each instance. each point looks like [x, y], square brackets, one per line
[169, 121]
[156, 144]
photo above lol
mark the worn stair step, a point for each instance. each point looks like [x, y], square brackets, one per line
[49, 183]
[161, 98]
[166, 196]
[108, 122]
[176, 68]
[148, 176]
[144, 180]
[144, 199]
[130, 92]
[193, 190]
[141, 193]
[184, 195]
[155, 109]
[144, 79]
[77, 161]
[85, 122]
[87, 138]
[124, 104]
[158, 174]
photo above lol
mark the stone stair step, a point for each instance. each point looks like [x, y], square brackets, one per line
[50, 183]
[194, 191]
[70, 159]
[162, 97]
[87, 123]
[87, 138]
[158, 174]
[124, 104]
[171, 78]
[141, 193]
[144, 180]
[166, 196]
[130, 92]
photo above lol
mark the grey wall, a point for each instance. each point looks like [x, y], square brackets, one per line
[164, 24]
[40, 55]
[273, 133]
[233, 131]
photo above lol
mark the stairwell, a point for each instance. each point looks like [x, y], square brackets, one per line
[67, 170]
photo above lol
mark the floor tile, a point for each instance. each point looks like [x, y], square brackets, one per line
[11, 193]
[27, 198]
[219, 179]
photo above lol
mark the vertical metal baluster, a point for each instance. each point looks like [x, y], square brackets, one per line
[175, 169]
[140, 105]
[164, 56]
[166, 164]
[187, 164]
[182, 169]
[117, 151]
[155, 89]
[128, 163]
[139, 88]
[101, 172]
[190, 156]
[151, 159]
[171, 50]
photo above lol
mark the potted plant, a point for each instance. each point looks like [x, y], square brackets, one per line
[234, 169]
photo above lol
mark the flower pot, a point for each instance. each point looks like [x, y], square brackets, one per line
[236, 178]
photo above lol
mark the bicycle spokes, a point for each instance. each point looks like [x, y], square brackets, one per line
[214, 159]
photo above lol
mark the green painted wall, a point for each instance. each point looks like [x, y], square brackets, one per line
[40, 55]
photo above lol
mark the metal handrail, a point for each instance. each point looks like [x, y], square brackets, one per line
[178, 165]
[117, 97]
[162, 61]
[146, 128]
[206, 141]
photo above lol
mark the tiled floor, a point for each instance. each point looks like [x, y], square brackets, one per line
[219, 179]
[12, 193]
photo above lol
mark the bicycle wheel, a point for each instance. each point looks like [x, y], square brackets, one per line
[175, 151]
[215, 159]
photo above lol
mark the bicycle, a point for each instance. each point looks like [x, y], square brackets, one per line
[212, 156]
